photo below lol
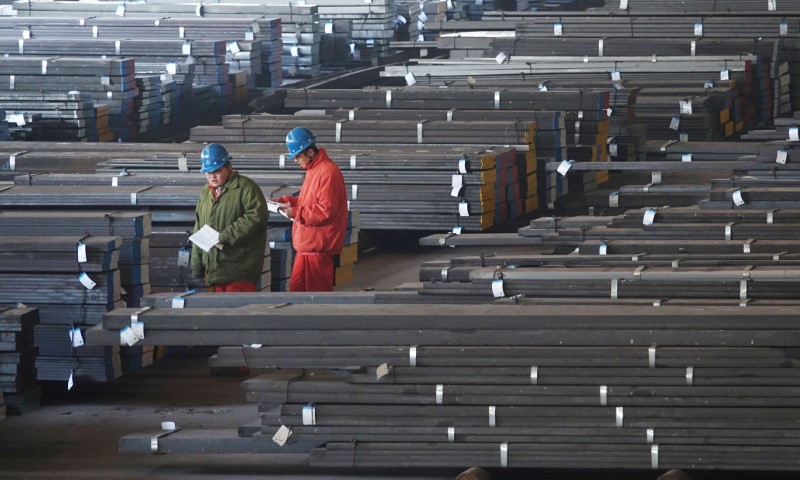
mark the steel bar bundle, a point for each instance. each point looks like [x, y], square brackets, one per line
[17, 358]
[738, 7]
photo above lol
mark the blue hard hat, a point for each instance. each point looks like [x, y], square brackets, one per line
[214, 157]
[298, 140]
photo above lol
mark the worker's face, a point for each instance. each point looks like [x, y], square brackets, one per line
[303, 158]
[219, 177]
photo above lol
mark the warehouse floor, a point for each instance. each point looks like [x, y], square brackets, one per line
[74, 435]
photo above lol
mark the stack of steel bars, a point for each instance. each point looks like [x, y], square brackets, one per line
[18, 390]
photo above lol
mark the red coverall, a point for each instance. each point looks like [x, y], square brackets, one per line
[319, 227]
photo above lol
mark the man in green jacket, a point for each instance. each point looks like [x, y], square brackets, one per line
[234, 206]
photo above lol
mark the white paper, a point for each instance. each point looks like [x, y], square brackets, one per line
[309, 415]
[274, 207]
[183, 257]
[497, 289]
[794, 134]
[381, 371]
[462, 165]
[698, 29]
[613, 149]
[86, 281]
[181, 32]
[457, 181]
[114, 181]
[329, 27]
[613, 199]
[172, 68]
[82, 253]
[675, 123]
[782, 156]
[771, 5]
[501, 57]
[463, 209]
[26, 34]
[187, 48]
[138, 329]
[737, 198]
[708, 84]
[234, 47]
[655, 178]
[294, 51]
[455, 192]
[76, 337]
[649, 216]
[120, 11]
[616, 76]
[564, 167]
[178, 302]
[410, 80]
[686, 107]
[603, 249]
[686, 157]
[127, 337]
[558, 29]
[168, 426]
[784, 29]
[205, 238]
[683, 137]
[725, 74]
[457, 230]
[71, 380]
[423, 17]
[623, 4]
[282, 435]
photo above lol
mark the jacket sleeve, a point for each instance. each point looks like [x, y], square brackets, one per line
[197, 260]
[291, 200]
[328, 194]
[255, 217]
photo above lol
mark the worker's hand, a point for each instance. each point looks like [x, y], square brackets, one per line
[286, 208]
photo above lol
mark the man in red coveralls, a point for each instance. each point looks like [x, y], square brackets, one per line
[319, 214]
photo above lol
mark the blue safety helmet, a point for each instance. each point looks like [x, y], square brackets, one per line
[214, 157]
[298, 140]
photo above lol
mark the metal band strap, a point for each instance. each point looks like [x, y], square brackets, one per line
[439, 394]
[412, 356]
[135, 315]
[492, 416]
[451, 434]
[600, 48]
[282, 162]
[534, 375]
[639, 270]
[729, 231]
[746, 245]
[694, 48]
[778, 256]
[450, 115]
[419, 132]
[12, 82]
[118, 47]
[353, 162]
[603, 395]
[351, 115]
[614, 287]
[154, 439]
[388, 99]
[355, 192]
[21, 46]
[667, 144]
[651, 357]
[497, 99]
[338, 132]
[771, 217]
[580, 114]
[651, 435]
[646, 188]
[746, 272]
[620, 414]
[504, 454]
[743, 290]
[654, 456]
[444, 273]
[676, 263]
[689, 376]
[134, 195]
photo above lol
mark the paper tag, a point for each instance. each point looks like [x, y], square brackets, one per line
[771, 5]
[114, 181]
[655, 178]
[82, 253]
[256, 27]
[183, 164]
[457, 181]
[698, 29]
[457, 230]
[603, 249]
[462, 165]
[329, 27]
[70, 380]
[26, 34]
[95, 31]
[463, 209]
[86, 281]
[410, 80]
[309, 415]
[794, 134]
[181, 32]
[120, 11]
[233, 47]
[402, 19]
[449, 4]
[44, 67]
[178, 302]
[455, 192]
[708, 84]
[183, 257]
[613, 199]
[497, 289]
[138, 329]
[564, 167]
[76, 337]
[686, 157]
[615, 76]
[199, 10]
[686, 107]
[683, 136]
[623, 4]
[558, 29]
[282, 435]
[737, 198]
[500, 58]
[423, 17]
[649, 216]
[613, 149]
[675, 123]
[782, 156]
[187, 48]
[168, 426]
[381, 371]
[725, 74]
[127, 337]
[784, 28]
[542, 87]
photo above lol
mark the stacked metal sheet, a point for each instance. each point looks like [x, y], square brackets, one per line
[149, 104]
[335, 42]
[18, 387]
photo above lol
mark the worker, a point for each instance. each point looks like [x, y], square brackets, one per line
[319, 214]
[234, 206]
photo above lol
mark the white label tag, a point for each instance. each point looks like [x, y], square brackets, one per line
[771, 5]
[558, 29]
[26, 34]
[256, 27]
[725, 74]
[542, 87]
[613, 199]
[95, 31]
[603, 249]
[76, 337]
[381, 371]
[613, 149]
[329, 27]
[463, 209]
[683, 137]
[402, 19]
[794, 134]
[655, 178]
[44, 67]
[784, 28]
[564, 167]
[82, 253]
[309, 415]
[355, 192]
[282, 435]
[623, 4]
[172, 68]
[737, 198]
[457, 181]
[500, 58]
[70, 380]
[649, 216]
[86, 281]
[449, 4]
[782, 156]
[199, 10]
[127, 337]
[708, 84]
[120, 11]
[183, 164]
[455, 192]
[183, 257]
[457, 230]
[675, 123]
[181, 32]
[615, 76]
[686, 157]
[698, 29]
[178, 302]
[462, 165]
[114, 181]
[234, 47]
[497, 289]
[686, 107]
[423, 17]
[168, 426]
[187, 48]
[138, 329]
[410, 80]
